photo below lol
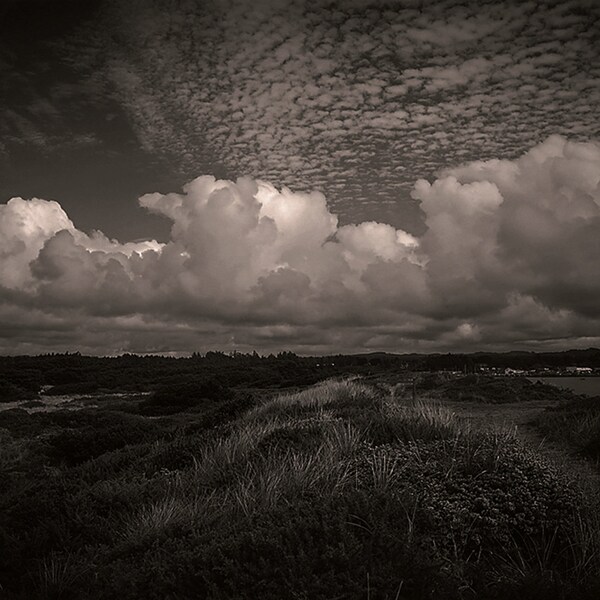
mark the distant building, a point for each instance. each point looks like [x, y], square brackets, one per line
[579, 370]
[509, 371]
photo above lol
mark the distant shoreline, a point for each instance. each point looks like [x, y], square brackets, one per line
[589, 385]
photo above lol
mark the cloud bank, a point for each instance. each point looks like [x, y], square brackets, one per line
[510, 258]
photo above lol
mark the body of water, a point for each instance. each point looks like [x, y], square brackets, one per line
[590, 386]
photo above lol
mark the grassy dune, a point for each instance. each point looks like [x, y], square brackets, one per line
[337, 491]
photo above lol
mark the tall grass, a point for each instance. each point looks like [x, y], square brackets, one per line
[15, 452]
[319, 397]
[59, 575]
[253, 476]
[385, 472]
[575, 424]
[402, 420]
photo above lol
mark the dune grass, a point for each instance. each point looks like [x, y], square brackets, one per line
[575, 424]
[340, 490]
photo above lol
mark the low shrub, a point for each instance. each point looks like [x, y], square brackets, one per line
[199, 393]
[109, 431]
[11, 392]
[78, 387]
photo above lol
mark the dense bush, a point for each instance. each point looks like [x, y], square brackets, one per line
[88, 434]
[198, 392]
[11, 392]
[16, 420]
[79, 387]
[222, 412]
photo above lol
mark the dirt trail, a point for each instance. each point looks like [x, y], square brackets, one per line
[520, 417]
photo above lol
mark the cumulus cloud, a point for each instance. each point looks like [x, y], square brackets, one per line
[544, 224]
[32, 231]
[247, 249]
[510, 255]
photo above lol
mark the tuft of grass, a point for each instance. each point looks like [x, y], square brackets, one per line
[156, 517]
[583, 547]
[217, 461]
[575, 424]
[395, 422]
[384, 470]
[329, 394]
[59, 576]
[342, 439]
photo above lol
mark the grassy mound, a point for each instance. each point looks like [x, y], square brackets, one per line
[337, 491]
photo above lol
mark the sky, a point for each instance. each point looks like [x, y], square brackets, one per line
[315, 176]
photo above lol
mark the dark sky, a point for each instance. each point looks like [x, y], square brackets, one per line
[495, 103]
[64, 134]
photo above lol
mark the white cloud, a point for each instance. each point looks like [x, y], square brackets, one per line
[511, 253]
[24, 228]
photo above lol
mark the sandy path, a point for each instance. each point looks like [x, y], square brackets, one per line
[520, 417]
